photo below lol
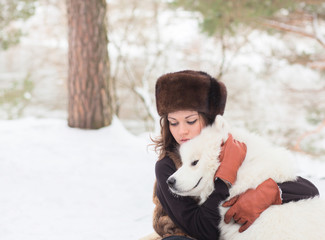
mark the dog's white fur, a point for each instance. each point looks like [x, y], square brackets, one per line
[295, 220]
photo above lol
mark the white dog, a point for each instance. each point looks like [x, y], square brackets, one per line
[303, 220]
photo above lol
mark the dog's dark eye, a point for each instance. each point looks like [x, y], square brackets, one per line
[194, 162]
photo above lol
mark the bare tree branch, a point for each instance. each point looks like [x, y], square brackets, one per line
[317, 33]
[298, 30]
[288, 28]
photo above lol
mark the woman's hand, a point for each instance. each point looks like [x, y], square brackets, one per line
[231, 157]
[248, 206]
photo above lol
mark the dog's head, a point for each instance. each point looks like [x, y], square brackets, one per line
[199, 161]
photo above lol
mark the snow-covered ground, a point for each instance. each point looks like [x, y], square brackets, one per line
[60, 183]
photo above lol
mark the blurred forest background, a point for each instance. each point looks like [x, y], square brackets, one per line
[270, 54]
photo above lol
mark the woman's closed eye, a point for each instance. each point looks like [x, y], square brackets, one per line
[173, 123]
[192, 122]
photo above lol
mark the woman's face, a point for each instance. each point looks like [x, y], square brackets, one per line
[185, 125]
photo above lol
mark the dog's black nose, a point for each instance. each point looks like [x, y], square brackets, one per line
[171, 181]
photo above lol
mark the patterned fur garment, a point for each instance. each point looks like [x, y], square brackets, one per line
[162, 224]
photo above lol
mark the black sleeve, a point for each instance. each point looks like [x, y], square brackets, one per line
[199, 221]
[297, 190]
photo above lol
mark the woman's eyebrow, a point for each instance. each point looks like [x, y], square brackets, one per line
[172, 118]
[195, 114]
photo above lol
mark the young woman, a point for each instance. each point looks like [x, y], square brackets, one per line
[187, 101]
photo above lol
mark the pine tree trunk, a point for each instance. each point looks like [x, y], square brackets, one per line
[88, 78]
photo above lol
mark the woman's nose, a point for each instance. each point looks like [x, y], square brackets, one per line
[183, 129]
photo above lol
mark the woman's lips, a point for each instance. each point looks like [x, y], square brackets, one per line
[184, 140]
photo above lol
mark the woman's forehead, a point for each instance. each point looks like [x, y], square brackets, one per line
[182, 114]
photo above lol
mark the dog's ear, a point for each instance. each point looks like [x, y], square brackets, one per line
[221, 125]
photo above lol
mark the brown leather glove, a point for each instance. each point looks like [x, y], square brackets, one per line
[248, 206]
[231, 157]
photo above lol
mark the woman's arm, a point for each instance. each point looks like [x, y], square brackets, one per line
[247, 207]
[199, 221]
[297, 190]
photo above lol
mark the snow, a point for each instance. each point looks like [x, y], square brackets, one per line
[63, 183]
[60, 183]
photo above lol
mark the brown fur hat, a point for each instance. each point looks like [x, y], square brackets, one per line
[190, 90]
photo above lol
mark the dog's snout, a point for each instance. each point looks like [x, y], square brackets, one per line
[171, 181]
